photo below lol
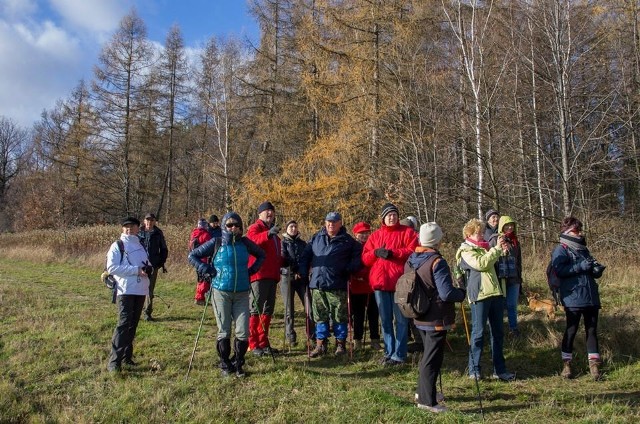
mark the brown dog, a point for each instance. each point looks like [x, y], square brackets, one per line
[541, 305]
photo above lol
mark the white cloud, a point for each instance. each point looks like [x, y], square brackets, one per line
[15, 9]
[41, 63]
[92, 15]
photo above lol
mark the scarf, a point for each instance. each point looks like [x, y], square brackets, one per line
[483, 244]
[577, 244]
[513, 238]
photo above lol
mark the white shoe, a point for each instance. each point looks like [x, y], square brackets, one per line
[439, 397]
[435, 408]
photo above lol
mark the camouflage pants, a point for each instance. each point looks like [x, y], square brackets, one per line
[329, 305]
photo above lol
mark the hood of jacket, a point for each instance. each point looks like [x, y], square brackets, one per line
[504, 220]
[226, 234]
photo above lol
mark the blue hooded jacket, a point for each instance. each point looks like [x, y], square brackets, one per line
[230, 264]
[331, 260]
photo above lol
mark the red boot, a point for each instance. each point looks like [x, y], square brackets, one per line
[254, 331]
[263, 338]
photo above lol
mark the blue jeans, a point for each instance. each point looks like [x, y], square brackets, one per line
[395, 344]
[513, 292]
[491, 309]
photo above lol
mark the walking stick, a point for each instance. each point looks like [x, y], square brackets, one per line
[349, 323]
[287, 310]
[307, 312]
[366, 320]
[195, 345]
[475, 366]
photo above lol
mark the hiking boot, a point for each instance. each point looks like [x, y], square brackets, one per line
[504, 376]
[199, 302]
[357, 344]
[340, 349]
[566, 370]
[129, 362]
[594, 369]
[435, 408]
[393, 363]
[320, 349]
[148, 318]
[240, 349]
[439, 397]
[375, 344]
[257, 352]
[114, 368]
[269, 350]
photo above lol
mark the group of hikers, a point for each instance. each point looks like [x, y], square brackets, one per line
[348, 280]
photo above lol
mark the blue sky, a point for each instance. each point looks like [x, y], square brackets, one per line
[47, 46]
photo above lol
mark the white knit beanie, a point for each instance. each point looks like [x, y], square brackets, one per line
[430, 234]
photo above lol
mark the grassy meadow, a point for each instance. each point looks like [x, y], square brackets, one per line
[56, 322]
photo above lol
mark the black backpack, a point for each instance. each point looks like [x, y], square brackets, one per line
[412, 295]
[108, 279]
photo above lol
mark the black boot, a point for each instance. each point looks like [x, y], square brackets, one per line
[240, 347]
[224, 350]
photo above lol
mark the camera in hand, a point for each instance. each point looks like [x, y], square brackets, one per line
[147, 268]
[598, 269]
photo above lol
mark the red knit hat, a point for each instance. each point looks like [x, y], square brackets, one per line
[361, 227]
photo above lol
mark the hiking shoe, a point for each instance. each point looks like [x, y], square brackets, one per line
[257, 352]
[375, 344]
[129, 362]
[149, 318]
[357, 345]
[437, 408]
[270, 350]
[475, 376]
[439, 397]
[566, 370]
[199, 302]
[384, 360]
[392, 363]
[239, 371]
[504, 376]
[114, 368]
[594, 369]
[320, 349]
[340, 349]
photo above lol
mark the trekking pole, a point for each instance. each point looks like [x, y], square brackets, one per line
[195, 345]
[287, 310]
[307, 312]
[475, 366]
[366, 320]
[349, 322]
[264, 330]
[162, 299]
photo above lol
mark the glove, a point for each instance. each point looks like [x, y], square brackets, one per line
[208, 272]
[383, 253]
[148, 269]
[586, 265]
[273, 231]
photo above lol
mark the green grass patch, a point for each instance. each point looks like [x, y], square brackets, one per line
[57, 321]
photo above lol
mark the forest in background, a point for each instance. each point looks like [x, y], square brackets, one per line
[444, 107]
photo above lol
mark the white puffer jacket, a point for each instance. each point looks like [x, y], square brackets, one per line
[126, 272]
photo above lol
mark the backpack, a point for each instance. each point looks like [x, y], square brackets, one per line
[412, 295]
[108, 279]
[553, 280]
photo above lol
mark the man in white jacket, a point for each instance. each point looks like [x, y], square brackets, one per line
[129, 267]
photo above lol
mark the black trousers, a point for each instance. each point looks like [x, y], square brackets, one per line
[129, 311]
[590, 328]
[430, 364]
[360, 303]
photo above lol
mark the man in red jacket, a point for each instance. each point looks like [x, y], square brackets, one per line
[386, 252]
[264, 233]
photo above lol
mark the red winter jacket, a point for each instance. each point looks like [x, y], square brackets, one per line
[258, 232]
[199, 236]
[402, 241]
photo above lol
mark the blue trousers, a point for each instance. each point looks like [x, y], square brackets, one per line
[491, 309]
[395, 343]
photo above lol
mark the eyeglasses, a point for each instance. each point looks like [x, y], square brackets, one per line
[232, 224]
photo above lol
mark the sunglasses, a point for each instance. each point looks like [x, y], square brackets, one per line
[232, 224]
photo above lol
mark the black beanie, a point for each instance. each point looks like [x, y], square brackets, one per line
[387, 209]
[265, 206]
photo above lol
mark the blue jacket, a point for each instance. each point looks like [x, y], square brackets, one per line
[230, 265]
[330, 260]
[578, 288]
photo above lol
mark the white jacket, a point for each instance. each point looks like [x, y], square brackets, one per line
[126, 272]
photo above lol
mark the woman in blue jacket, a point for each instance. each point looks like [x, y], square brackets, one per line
[579, 295]
[229, 272]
